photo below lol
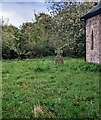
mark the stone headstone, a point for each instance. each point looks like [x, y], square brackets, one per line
[59, 58]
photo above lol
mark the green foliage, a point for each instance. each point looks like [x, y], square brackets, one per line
[90, 67]
[48, 49]
[9, 41]
[67, 26]
[62, 91]
[48, 32]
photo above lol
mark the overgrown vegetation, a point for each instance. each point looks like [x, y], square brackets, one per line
[39, 88]
[48, 32]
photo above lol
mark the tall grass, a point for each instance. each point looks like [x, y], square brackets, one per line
[39, 88]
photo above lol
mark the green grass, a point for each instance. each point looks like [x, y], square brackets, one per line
[70, 90]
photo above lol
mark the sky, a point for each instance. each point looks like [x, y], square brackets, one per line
[21, 12]
[17, 12]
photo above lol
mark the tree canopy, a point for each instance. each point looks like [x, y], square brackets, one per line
[48, 32]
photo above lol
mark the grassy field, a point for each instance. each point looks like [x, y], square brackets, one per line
[39, 88]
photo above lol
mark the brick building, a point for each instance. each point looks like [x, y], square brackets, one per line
[93, 34]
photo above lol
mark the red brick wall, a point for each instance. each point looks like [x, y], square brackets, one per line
[94, 24]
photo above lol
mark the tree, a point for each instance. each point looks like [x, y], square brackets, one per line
[67, 27]
[9, 39]
[47, 33]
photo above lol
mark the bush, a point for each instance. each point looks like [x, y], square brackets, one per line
[48, 49]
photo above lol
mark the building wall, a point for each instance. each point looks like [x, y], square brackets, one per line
[100, 38]
[94, 24]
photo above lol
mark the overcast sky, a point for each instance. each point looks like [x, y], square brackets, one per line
[20, 12]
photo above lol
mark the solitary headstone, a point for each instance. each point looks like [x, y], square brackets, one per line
[59, 58]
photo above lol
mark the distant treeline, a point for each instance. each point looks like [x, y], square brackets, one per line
[48, 32]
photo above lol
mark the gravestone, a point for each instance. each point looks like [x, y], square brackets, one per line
[59, 58]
